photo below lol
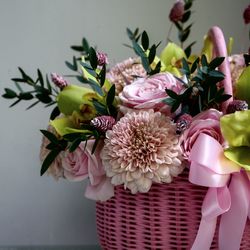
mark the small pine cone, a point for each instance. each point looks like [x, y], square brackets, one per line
[58, 80]
[101, 58]
[183, 123]
[103, 123]
[237, 105]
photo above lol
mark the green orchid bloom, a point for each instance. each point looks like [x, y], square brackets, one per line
[170, 56]
[236, 130]
[242, 86]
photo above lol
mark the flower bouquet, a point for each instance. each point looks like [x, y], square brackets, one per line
[163, 140]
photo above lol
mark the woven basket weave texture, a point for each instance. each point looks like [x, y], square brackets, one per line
[167, 217]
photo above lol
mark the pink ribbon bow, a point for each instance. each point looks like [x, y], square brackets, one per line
[228, 195]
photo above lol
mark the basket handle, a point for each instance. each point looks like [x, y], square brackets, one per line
[215, 34]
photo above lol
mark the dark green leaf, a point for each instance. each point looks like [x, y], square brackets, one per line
[32, 105]
[185, 67]
[73, 136]
[172, 94]
[157, 69]
[188, 49]
[130, 34]
[18, 80]
[102, 75]
[50, 136]
[183, 35]
[194, 65]
[188, 5]
[77, 48]
[18, 87]
[95, 86]
[75, 144]
[216, 74]
[152, 53]
[178, 26]
[216, 62]
[28, 79]
[55, 112]
[110, 95]
[9, 93]
[204, 61]
[144, 40]
[15, 103]
[85, 45]
[40, 77]
[200, 104]
[222, 98]
[93, 58]
[49, 159]
[25, 96]
[100, 108]
[43, 98]
[169, 101]
[89, 69]
[186, 16]
[175, 106]
[95, 143]
[71, 66]
[48, 84]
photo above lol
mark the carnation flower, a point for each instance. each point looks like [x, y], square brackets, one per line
[125, 72]
[142, 148]
[55, 168]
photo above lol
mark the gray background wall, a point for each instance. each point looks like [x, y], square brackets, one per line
[40, 211]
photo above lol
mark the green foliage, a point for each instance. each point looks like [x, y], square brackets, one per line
[201, 91]
[145, 52]
[37, 90]
[183, 30]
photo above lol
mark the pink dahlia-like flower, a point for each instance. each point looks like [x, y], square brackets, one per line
[177, 11]
[207, 122]
[142, 148]
[246, 15]
[82, 164]
[55, 168]
[124, 73]
[148, 93]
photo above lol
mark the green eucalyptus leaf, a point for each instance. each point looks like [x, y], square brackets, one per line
[32, 105]
[40, 77]
[172, 94]
[55, 112]
[25, 96]
[152, 53]
[77, 48]
[50, 136]
[216, 62]
[9, 93]
[44, 98]
[186, 16]
[49, 160]
[92, 58]
[144, 40]
[111, 95]
[85, 45]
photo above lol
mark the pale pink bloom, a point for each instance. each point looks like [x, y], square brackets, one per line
[81, 164]
[55, 168]
[177, 11]
[207, 122]
[142, 148]
[124, 73]
[148, 93]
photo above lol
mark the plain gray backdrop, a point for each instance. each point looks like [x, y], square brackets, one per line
[37, 210]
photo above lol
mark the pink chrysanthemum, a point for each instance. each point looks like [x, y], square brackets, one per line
[124, 73]
[140, 149]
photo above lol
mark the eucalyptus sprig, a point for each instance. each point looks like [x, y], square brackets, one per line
[201, 90]
[40, 89]
[184, 30]
[146, 52]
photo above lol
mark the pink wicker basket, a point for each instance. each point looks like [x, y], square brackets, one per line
[168, 216]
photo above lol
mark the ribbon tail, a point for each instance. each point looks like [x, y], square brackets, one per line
[205, 234]
[233, 222]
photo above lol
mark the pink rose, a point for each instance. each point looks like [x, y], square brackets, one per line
[207, 122]
[81, 164]
[148, 93]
